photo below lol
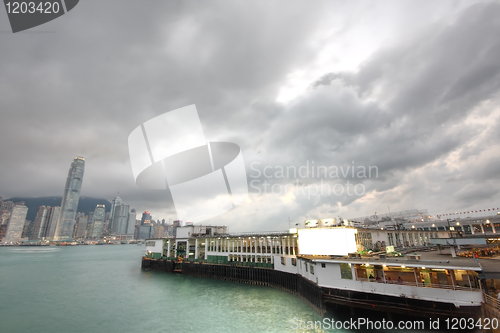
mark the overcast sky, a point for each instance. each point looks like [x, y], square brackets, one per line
[408, 88]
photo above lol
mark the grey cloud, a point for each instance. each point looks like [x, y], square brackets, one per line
[83, 88]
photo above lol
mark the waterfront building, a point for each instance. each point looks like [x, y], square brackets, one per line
[81, 227]
[145, 231]
[40, 224]
[7, 206]
[5, 211]
[89, 224]
[120, 220]
[136, 230]
[98, 221]
[27, 229]
[131, 222]
[70, 199]
[16, 223]
[4, 217]
[53, 219]
[461, 227]
[158, 232]
[117, 201]
[3, 231]
[146, 217]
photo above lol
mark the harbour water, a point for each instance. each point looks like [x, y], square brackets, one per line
[102, 289]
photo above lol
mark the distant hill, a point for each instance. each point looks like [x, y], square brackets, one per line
[85, 205]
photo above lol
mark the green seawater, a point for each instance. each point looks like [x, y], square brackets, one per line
[103, 289]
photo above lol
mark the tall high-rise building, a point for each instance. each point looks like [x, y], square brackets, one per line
[146, 217]
[5, 211]
[16, 224]
[158, 232]
[145, 231]
[90, 222]
[53, 220]
[120, 219]
[131, 222]
[116, 202]
[81, 227]
[98, 221]
[41, 221]
[70, 199]
[28, 229]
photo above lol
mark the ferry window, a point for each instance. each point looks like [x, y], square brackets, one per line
[306, 266]
[323, 265]
[312, 269]
[345, 271]
[283, 261]
[294, 261]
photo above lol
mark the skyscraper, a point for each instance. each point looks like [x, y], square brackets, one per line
[16, 224]
[146, 217]
[98, 221]
[53, 220]
[116, 202]
[81, 226]
[131, 222]
[120, 219]
[41, 221]
[70, 199]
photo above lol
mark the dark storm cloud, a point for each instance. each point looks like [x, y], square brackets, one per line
[420, 88]
[105, 69]
[473, 193]
[405, 108]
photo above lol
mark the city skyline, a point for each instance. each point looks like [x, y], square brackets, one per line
[410, 89]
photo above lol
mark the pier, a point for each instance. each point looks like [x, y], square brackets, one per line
[412, 280]
[319, 298]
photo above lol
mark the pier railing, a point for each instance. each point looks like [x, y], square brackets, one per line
[492, 301]
[420, 284]
[491, 309]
